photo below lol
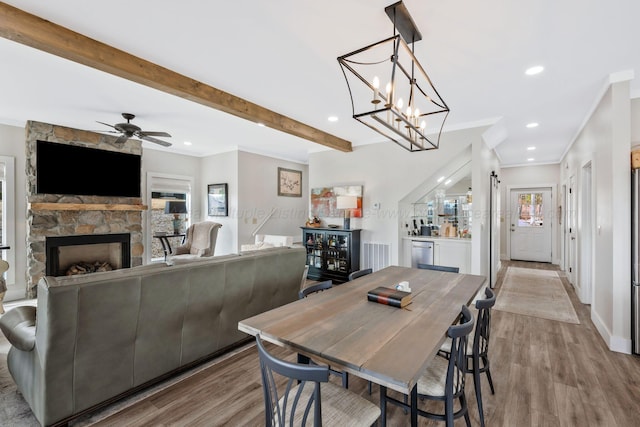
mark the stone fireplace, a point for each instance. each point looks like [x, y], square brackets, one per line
[64, 252]
[68, 216]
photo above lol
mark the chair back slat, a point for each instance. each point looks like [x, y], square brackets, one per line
[283, 399]
[318, 287]
[359, 273]
[457, 362]
[439, 268]
[483, 328]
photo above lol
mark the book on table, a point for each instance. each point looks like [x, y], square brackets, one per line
[389, 296]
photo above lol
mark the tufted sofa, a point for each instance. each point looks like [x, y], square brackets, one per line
[101, 336]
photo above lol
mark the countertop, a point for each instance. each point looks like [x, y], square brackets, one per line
[438, 238]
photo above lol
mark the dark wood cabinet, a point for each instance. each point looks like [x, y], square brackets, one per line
[331, 253]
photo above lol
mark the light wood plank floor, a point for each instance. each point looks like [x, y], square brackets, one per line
[546, 373]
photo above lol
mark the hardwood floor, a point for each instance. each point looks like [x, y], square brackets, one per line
[546, 373]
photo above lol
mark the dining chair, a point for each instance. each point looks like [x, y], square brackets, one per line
[359, 273]
[478, 347]
[439, 268]
[303, 280]
[316, 287]
[444, 379]
[295, 394]
[319, 287]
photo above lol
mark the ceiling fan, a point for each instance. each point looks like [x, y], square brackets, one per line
[128, 130]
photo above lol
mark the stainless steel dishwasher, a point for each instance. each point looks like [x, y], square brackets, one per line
[421, 253]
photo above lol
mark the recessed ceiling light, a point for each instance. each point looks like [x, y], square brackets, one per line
[332, 118]
[532, 125]
[187, 143]
[534, 70]
[530, 159]
[531, 148]
[447, 182]
[261, 125]
[441, 179]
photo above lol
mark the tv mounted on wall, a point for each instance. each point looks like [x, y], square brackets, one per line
[82, 171]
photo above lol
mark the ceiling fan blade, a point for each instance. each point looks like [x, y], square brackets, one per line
[154, 140]
[144, 132]
[106, 124]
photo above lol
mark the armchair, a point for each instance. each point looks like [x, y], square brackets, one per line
[200, 241]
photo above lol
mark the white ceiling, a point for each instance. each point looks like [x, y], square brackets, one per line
[281, 54]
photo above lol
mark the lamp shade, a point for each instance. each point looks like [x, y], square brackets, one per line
[175, 207]
[346, 202]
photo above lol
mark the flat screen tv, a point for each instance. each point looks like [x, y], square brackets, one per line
[82, 171]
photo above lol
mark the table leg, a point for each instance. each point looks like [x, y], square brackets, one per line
[166, 246]
[414, 405]
[383, 406]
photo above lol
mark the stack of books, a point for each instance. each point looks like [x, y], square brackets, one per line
[389, 296]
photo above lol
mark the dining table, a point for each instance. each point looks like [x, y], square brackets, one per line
[381, 343]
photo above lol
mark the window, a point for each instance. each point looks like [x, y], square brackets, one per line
[530, 210]
[161, 189]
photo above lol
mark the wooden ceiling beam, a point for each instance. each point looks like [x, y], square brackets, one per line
[31, 30]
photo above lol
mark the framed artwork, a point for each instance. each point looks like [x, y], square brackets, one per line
[217, 200]
[324, 201]
[289, 182]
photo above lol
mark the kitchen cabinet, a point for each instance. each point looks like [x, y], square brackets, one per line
[453, 253]
[331, 254]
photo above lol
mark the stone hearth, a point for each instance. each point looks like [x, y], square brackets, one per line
[88, 215]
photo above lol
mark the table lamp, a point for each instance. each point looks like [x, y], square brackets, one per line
[176, 208]
[347, 203]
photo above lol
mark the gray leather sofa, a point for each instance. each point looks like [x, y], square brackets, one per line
[100, 336]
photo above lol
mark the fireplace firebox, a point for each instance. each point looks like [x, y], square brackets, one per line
[63, 252]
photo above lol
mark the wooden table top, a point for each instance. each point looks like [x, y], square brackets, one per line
[387, 345]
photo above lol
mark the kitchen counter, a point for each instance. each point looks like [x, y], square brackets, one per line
[440, 238]
[448, 251]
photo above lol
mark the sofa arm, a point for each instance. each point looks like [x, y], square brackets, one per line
[181, 250]
[19, 326]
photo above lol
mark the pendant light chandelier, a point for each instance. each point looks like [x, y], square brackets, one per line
[390, 91]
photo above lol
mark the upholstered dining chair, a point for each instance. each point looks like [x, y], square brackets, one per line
[439, 268]
[299, 394]
[200, 241]
[444, 379]
[478, 347]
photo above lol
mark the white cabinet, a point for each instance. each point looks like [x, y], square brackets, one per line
[453, 253]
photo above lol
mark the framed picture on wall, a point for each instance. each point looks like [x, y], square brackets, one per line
[289, 182]
[218, 200]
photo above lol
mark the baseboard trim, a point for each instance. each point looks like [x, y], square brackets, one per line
[615, 343]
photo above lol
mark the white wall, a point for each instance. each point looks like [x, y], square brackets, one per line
[605, 142]
[252, 184]
[258, 186]
[531, 176]
[219, 169]
[387, 173]
[484, 161]
[635, 121]
[12, 144]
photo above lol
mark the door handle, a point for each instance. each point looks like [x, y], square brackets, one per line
[573, 238]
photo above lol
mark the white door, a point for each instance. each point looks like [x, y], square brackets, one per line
[571, 228]
[531, 224]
